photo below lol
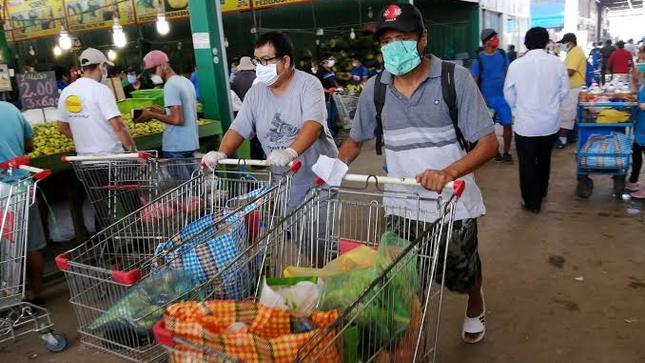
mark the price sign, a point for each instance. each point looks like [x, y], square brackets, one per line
[37, 90]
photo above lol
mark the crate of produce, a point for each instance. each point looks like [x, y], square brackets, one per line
[156, 94]
[129, 104]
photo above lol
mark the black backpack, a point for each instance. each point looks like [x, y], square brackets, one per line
[449, 97]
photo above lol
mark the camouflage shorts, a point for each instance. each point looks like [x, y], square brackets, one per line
[463, 266]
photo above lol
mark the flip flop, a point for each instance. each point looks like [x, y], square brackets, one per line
[476, 325]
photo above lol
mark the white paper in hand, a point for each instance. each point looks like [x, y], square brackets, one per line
[330, 170]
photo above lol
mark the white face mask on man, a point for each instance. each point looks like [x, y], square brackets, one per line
[104, 73]
[156, 79]
[267, 74]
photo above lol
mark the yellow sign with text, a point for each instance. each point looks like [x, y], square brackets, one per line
[262, 4]
[29, 19]
[234, 5]
[147, 10]
[96, 14]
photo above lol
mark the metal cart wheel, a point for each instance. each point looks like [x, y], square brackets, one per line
[619, 186]
[54, 342]
[585, 187]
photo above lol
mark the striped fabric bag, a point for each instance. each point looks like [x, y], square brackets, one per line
[606, 151]
[264, 334]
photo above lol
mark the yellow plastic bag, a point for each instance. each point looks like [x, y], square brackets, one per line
[359, 257]
[612, 116]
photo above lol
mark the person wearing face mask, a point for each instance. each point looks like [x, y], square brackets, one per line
[632, 185]
[576, 63]
[88, 110]
[327, 77]
[359, 71]
[422, 141]
[286, 110]
[180, 136]
[489, 71]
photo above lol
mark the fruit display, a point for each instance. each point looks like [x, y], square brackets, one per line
[49, 141]
[354, 89]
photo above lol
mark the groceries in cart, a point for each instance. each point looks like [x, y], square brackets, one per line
[143, 306]
[240, 332]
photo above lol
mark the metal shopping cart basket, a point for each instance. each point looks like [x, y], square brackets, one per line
[346, 105]
[318, 231]
[104, 269]
[117, 183]
[17, 195]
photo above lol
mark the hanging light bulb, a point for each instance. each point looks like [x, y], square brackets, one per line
[32, 52]
[225, 43]
[64, 41]
[57, 51]
[112, 55]
[163, 27]
[370, 14]
[320, 31]
[352, 35]
[118, 35]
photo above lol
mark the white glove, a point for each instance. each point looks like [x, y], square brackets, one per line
[212, 158]
[282, 157]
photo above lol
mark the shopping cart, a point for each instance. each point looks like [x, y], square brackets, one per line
[619, 162]
[346, 105]
[115, 184]
[18, 184]
[329, 222]
[104, 268]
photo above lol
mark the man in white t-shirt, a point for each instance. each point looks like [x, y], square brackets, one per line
[89, 114]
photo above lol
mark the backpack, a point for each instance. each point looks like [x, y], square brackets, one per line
[449, 97]
[480, 64]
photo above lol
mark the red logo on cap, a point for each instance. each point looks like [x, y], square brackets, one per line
[392, 12]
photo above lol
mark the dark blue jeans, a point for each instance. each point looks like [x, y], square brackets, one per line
[181, 165]
[332, 115]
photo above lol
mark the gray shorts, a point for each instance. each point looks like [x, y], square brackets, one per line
[463, 266]
[35, 231]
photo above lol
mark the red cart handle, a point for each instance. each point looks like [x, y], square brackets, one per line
[163, 335]
[457, 186]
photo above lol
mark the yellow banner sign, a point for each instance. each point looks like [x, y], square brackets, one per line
[147, 10]
[34, 18]
[96, 14]
[261, 4]
[234, 5]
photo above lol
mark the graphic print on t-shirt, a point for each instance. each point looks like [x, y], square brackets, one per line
[73, 104]
[281, 131]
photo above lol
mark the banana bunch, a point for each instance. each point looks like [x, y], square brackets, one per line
[48, 140]
[353, 89]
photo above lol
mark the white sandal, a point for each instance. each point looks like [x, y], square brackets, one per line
[476, 325]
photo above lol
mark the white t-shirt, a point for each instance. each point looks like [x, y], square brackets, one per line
[87, 106]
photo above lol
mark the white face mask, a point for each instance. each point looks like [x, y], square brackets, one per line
[331, 63]
[156, 79]
[267, 74]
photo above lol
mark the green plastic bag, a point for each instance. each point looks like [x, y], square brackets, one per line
[383, 313]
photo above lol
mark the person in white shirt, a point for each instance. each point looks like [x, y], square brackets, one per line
[88, 110]
[535, 86]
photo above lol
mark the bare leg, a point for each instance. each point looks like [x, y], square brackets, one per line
[36, 266]
[508, 138]
[475, 305]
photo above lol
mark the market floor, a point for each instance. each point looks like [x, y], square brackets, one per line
[567, 285]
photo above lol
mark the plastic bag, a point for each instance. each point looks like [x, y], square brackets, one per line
[384, 312]
[360, 257]
[143, 305]
[300, 294]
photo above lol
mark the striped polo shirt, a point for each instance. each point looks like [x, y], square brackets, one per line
[418, 134]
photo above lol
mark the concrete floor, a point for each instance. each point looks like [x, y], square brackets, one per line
[567, 285]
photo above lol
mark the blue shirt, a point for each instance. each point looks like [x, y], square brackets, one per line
[14, 130]
[195, 80]
[360, 72]
[595, 57]
[494, 71]
[179, 91]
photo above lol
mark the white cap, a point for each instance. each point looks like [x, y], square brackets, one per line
[93, 56]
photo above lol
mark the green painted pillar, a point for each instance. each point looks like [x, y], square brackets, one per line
[5, 53]
[210, 57]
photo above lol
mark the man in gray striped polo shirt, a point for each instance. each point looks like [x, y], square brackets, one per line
[420, 141]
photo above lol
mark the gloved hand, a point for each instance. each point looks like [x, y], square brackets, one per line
[282, 157]
[212, 158]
